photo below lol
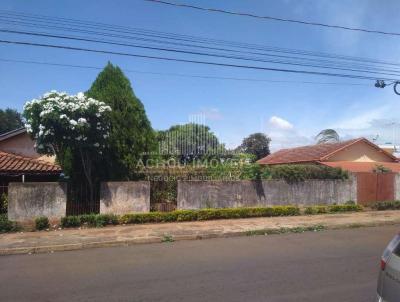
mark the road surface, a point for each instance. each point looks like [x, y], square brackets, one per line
[329, 266]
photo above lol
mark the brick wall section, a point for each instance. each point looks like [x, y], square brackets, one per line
[26, 201]
[232, 194]
[124, 197]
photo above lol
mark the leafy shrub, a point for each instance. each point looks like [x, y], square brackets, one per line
[42, 223]
[163, 191]
[386, 205]
[348, 207]
[91, 220]
[7, 225]
[313, 210]
[106, 219]
[3, 203]
[250, 172]
[234, 171]
[71, 221]
[297, 173]
[345, 208]
[180, 215]
[88, 219]
[381, 169]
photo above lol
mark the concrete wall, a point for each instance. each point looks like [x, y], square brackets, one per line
[397, 187]
[124, 197]
[232, 194]
[26, 201]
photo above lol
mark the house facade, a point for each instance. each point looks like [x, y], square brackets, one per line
[19, 142]
[19, 162]
[356, 155]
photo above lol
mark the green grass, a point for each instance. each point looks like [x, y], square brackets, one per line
[313, 228]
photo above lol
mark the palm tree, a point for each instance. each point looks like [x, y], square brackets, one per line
[327, 136]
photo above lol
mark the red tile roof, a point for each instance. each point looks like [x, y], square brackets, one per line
[362, 166]
[313, 153]
[11, 164]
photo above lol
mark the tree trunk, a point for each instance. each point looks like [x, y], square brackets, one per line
[87, 169]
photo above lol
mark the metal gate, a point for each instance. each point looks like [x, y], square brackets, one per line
[373, 187]
[79, 201]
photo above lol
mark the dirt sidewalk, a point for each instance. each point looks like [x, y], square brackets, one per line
[72, 239]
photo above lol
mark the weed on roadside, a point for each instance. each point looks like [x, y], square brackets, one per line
[167, 238]
[313, 228]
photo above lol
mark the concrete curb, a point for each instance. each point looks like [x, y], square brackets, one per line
[160, 239]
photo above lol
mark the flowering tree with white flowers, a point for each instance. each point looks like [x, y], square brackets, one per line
[58, 121]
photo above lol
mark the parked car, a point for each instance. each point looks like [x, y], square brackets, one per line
[389, 275]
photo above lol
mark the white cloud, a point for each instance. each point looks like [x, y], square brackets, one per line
[280, 123]
[362, 120]
[381, 122]
[284, 135]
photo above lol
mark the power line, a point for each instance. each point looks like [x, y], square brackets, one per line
[372, 70]
[194, 61]
[182, 75]
[243, 14]
[164, 35]
[332, 63]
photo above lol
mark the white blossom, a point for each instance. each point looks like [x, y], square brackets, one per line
[82, 120]
[28, 128]
[67, 119]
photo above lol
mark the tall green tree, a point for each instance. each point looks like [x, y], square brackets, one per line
[189, 141]
[256, 144]
[10, 119]
[131, 134]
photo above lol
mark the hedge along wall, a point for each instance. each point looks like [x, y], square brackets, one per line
[26, 201]
[122, 197]
[232, 194]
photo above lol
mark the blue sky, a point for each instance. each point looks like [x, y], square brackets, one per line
[291, 113]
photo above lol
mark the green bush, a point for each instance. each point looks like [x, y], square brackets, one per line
[297, 173]
[88, 219]
[3, 203]
[345, 208]
[381, 169]
[386, 205]
[180, 215]
[42, 223]
[106, 219]
[71, 221]
[250, 172]
[234, 171]
[101, 220]
[313, 210]
[163, 191]
[91, 220]
[7, 225]
[348, 207]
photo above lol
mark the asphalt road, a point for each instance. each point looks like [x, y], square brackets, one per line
[327, 266]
